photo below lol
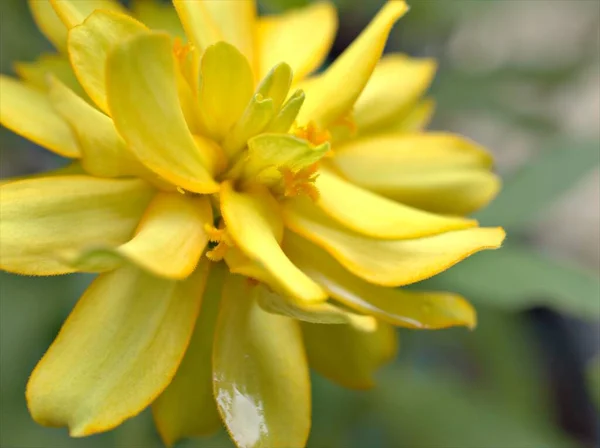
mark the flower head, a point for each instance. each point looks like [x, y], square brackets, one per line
[246, 220]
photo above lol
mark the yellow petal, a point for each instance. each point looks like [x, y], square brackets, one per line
[66, 170]
[396, 84]
[104, 153]
[254, 222]
[332, 95]
[187, 407]
[226, 88]
[199, 25]
[316, 313]
[261, 381]
[377, 217]
[392, 262]
[145, 107]
[74, 12]
[438, 172]
[49, 23]
[41, 218]
[36, 73]
[158, 16]
[349, 356]
[302, 38]
[411, 309]
[236, 22]
[27, 111]
[90, 44]
[168, 241]
[117, 351]
[416, 119]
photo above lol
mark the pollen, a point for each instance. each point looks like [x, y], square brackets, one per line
[301, 182]
[221, 242]
[313, 134]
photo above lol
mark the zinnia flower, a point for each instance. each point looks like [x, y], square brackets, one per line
[246, 220]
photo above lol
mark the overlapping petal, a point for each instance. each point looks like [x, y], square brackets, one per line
[38, 218]
[158, 16]
[302, 38]
[253, 219]
[331, 96]
[392, 262]
[168, 242]
[117, 351]
[439, 172]
[36, 73]
[74, 12]
[144, 103]
[49, 23]
[187, 407]
[28, 112]
[261, 381]
[411, 309]
[347, 355]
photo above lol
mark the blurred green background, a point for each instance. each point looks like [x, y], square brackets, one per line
[521, 77]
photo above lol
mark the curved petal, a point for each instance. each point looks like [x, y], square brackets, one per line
[36, 73]
[226, 88]
[302, 38]
[392, 262]
[27, 111]
[443, 173]
[261, 382]
[74, 12]
[349, 356]
[89, 45]
[168, 241]
[117, 351]
[316, 313]
[254, 222]
[378, 216]
[199, 25]
[332, 95]
[38, 218]
[158, 16]
[396, 84]
[416, 119]
[104, 153]
[187, 407]
[410, 309]
[49, 23]
[145, 107]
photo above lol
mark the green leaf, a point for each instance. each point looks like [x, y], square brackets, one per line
[540, 182]
[420, 409]
[517, 278]
[593, 374]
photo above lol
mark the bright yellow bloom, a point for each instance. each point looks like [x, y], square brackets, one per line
[232, 207]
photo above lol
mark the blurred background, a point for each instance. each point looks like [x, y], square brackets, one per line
[522, 78]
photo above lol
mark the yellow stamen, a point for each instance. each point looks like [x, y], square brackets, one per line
[300, 182]
[223, 240]
[313, 134]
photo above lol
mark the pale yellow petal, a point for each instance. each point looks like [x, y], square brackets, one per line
[260, 373]
[49, 23]
[225, 90]
[331, 96]
[36, 73]
[117, 351]
[301, 37]
[158, 16]
[411, 309]
[392, 262]
[41, 218]
[104, 153]
[168, 242]
[253, 220]
[349, 356]
[373, 215]
[396, 84]
[187, 408]
[416, 119]
[74, 12]
[89, 46]
[439, 172]
[28, 112]
[145, 107]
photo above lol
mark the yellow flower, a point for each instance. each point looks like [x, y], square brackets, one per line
[232, 206]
